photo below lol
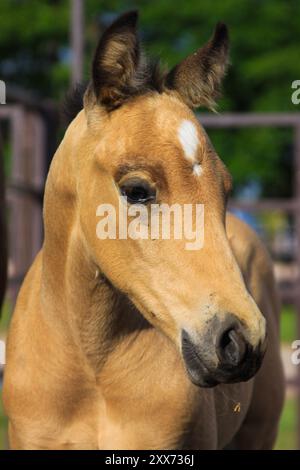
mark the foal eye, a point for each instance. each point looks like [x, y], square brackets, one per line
[138, 191]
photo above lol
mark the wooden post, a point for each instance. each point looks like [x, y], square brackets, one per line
[28, 138]
[77, 41]
[17, 212]
[35, 138]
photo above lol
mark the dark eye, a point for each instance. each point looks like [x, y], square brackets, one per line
[138, 191]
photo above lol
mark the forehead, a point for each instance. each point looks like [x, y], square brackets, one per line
[159, 135]
[158, 124]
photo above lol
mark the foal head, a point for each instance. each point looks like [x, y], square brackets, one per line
[138, 138]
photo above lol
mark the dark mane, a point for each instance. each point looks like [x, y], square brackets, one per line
[150, 78]
[73, 103]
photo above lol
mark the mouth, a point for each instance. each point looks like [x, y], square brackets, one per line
[207, 372]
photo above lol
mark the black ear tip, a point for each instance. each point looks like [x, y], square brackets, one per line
[129, 19]
[221, 31]
[134, 14]
[221, 34]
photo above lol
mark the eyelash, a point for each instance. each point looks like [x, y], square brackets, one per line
[138, 191]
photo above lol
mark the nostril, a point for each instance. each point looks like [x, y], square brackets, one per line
[232, 347]
[225, 339]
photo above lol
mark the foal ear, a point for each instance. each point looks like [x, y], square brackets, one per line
[198, 78]
[116, 60]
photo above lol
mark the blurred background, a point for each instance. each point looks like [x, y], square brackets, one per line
[46, 47]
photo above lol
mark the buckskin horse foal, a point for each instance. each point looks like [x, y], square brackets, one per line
[140, 343]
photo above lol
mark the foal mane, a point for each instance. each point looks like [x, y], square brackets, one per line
[72, 103]
[151, 77]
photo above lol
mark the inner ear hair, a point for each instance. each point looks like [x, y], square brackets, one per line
[120, 70]
[115, 61]
[197, 79]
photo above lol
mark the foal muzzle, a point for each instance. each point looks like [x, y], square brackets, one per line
[221, 355]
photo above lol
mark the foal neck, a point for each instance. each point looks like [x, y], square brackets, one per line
[76, 297]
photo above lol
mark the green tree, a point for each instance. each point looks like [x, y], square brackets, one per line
[265, 38]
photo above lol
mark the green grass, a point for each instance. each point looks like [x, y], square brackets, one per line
[287, 437]
[5, 317]
[288, 324]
